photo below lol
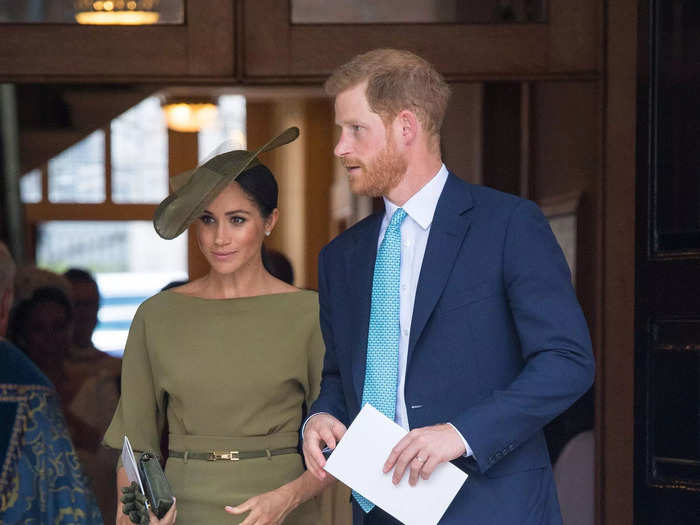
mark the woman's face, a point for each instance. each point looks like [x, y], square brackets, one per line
[47, 334]
[230, 231]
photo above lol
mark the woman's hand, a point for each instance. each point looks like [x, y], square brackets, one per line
[270, 508]
[169, 519]
[133, 509]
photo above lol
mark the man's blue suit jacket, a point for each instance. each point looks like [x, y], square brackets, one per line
[498, 344]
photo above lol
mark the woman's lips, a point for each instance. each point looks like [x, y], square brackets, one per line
[222, 255]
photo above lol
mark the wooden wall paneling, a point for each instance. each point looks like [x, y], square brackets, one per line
[575, 34]
[108, 163]
[211, 38]
[525, 139]
[565, 141]
[462, 130]
[615, 385]
[318, 126]
[275, 49]
[183, 154]
[266, 118]
[41, 52]
[502, 136]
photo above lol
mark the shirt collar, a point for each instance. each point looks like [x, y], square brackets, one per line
[421, 206]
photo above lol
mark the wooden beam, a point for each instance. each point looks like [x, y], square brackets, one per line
[615, 384]
[43, 211]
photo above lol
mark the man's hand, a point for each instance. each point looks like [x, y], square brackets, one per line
[422, 450]
[321, 430]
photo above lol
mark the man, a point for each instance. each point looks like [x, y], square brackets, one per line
[96, 377]
[40, 479]
[86, 303]
[452, 312]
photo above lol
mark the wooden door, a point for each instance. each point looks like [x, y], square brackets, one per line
[667, 362]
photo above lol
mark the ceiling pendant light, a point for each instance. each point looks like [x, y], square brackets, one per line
[117, 12]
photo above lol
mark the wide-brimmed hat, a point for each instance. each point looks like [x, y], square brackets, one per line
[194, 190]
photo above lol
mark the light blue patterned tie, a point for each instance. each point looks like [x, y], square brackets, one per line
[382, 373]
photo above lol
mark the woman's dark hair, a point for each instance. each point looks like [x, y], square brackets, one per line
[278, 265]
[260, 185]
[22, 310]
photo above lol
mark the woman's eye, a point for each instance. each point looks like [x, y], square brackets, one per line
[237, 220]
[207, 219]
[355, 128]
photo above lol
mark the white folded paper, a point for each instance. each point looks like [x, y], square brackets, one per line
[129, 462]
[359, 457]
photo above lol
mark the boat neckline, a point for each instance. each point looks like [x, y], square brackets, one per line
[276, 294]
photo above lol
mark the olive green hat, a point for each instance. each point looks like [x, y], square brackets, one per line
[194, 190]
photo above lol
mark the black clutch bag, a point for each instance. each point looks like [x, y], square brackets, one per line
[155, 485]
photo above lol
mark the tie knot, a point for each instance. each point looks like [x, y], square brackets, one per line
[397, 219]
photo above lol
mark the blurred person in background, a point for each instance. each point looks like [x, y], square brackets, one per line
[42, 325]
[40, 478]
[83, 356]
[98, 377]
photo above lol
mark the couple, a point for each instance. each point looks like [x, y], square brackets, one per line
[452, 312]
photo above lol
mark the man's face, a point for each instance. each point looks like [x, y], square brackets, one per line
[366, 146]
[87, 303]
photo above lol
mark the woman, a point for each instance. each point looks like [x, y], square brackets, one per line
[229, 359]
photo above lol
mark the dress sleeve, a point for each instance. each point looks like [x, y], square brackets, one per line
[140, 413]
[315, 364]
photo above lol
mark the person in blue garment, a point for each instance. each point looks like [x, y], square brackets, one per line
[451, 311]
[41, 480]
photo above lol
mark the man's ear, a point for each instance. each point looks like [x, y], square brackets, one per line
[408, 125]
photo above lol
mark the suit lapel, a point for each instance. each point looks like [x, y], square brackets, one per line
[449, 227]
[359, 262]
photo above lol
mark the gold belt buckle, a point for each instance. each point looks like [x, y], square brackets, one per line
[232, 455]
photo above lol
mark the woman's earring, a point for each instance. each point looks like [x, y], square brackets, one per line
[268, 233]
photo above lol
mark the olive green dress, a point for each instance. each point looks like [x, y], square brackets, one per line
[229, 374]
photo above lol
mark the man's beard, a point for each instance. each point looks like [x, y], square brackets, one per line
[381, 175]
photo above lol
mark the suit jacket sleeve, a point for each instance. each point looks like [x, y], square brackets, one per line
[331, 399]
[554, 343]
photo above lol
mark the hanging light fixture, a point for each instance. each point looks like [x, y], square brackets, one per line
[189, 115]
[117, 12]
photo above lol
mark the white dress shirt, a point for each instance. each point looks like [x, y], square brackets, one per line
[415, 229]
[420, 210]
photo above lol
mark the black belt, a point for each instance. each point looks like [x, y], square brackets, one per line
[233, 455]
